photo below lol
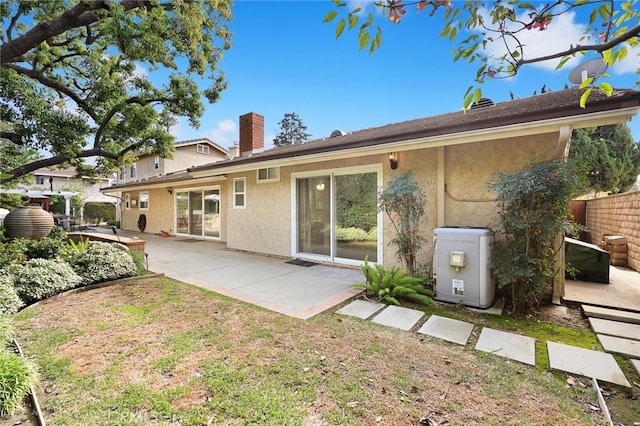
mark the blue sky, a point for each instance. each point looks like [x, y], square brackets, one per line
[284, 59]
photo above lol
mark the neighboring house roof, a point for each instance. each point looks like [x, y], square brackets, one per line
[548, 111]
[202, 141]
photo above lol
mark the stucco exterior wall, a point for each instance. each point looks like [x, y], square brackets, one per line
[265, 225]
[617, 215]
[470, 168]
[186, 156]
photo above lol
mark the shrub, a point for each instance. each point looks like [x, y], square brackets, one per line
[41, 278]
[17, 376]
[403, 199]
[392, 285]
[104, 262]
[9, 300]
[11, 253]
[44, 248]
[139, 260]
[112, 223]
[71, 250]
[351, 234]
[533, 209]
[6, 330]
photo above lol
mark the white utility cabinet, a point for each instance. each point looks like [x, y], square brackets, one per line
[461, 266]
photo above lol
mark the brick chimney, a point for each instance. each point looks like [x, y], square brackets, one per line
[251, 133]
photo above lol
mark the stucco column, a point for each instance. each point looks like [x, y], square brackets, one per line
[564, 143]
[441, 187]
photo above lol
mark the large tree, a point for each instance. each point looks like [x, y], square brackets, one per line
[292, 131]
[75, 83]
[612, 30]
[606, 157]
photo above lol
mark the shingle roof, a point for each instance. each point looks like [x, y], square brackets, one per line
[564, 103]
[201, 140]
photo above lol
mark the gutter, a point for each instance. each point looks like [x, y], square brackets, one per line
[399, 142]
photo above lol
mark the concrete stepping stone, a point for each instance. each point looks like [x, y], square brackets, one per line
[509, 345]
[620, 345]
[362, 309]
[447, 329]
[585, 362]
[615, 328]
[636, 364]
[611, 314]
[398, 317]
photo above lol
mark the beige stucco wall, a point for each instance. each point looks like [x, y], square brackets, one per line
[264, 226]
[159, 215]
[185, 157]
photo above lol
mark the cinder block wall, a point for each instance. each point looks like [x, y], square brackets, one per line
[619, 215]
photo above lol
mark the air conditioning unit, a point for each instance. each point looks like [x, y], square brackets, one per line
[461, 266]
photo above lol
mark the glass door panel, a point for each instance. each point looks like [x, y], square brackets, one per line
[195, 216]
[314, 215]
[212, 213]
[356, 204]
[182, 212]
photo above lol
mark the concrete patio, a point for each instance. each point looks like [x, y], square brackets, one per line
[266, 281]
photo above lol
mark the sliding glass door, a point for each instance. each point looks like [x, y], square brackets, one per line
[198, 213]
[337, 216]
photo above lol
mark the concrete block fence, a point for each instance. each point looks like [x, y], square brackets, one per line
[616, 215]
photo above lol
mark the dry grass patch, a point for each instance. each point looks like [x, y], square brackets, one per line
[161, 352]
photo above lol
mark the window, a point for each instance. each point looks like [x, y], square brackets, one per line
[239, 193]
[144, 200]
[127, 201]
[39, 180]
[202, 149]
[156, 163]
[269, 174]
[122, 173]
[133, 170]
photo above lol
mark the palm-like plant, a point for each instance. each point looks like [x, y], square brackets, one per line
[393, 284]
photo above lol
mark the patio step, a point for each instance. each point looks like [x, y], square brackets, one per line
[611, 314]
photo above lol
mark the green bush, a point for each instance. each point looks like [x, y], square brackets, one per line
[6, 330]
[11, 253]
[17, 376]
[38, 279]
[112, 223]
[355, 234]
[533, 209]
[71, 250]
[104, 262]
[9, 300]
[99, 212]
[139, 260]
[392, 285]
[44, 248]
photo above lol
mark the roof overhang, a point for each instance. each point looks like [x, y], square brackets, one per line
[187, 180]
[554, 125]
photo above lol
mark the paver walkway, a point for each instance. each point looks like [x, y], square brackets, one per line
[571, 359]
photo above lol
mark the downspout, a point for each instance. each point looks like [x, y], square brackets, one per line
[564, 143]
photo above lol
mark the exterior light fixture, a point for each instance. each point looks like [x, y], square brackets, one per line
[170, 190]
[393, 160]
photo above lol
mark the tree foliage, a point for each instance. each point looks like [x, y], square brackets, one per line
[404, 200]
[606, 157]
[613, 29]
[533, 208]
[74, 75]
[292, 131]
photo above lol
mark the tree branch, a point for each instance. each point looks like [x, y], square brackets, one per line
[80, 15]
[15, 138]
[633, 32]
[12, 25]
[56, 85]
[97, 143]
[55, 160]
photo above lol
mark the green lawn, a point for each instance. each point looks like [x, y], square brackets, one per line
[157, 351]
